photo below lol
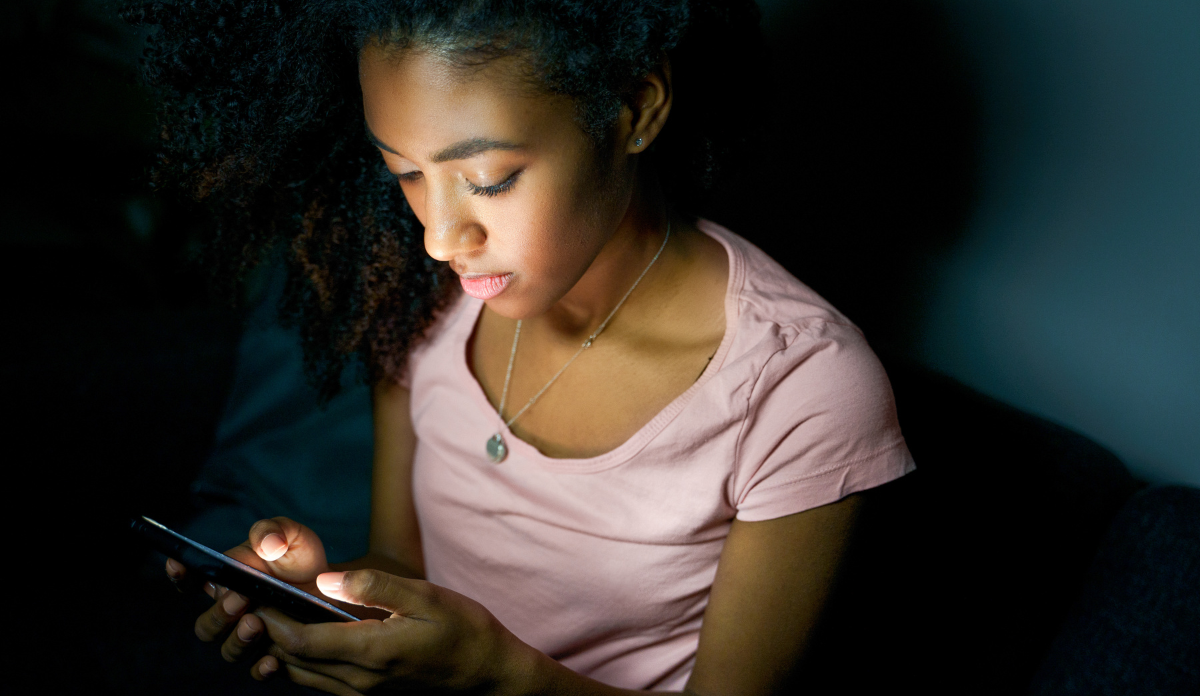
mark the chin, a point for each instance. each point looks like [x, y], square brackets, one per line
[515, 305]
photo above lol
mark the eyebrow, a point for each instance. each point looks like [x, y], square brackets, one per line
[472, 147]
[378, 143]
[460, 150]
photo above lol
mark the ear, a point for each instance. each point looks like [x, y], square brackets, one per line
[644, 116]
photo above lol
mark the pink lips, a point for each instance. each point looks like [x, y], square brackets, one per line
[485, 287]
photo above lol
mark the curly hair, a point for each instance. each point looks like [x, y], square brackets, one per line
[260, 117]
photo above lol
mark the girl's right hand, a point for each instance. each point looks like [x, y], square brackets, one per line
[280, 547]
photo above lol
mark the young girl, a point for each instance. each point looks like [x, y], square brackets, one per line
[616, 445]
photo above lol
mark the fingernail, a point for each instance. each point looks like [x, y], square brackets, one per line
[273, 546]
[174, 569]
[330, 582]
[210, 589]
[266, 669]
[234, 603]
[246, 632]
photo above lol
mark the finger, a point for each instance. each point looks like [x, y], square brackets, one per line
[269, 538]
[243, 553]
[221, 616]
[375, 588]
[304, 677]
[180, 578]
[292, 551]
[242, 639]
[266, 666]
[352, 642]
[175, 570]
[357, 678]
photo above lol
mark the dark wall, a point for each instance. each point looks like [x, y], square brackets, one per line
[1008, 192]
[869, 164]
[1075, 293]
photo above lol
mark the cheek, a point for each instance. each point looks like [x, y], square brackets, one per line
[556, 231]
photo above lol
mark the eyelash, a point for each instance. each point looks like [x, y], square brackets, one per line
[489, 191]
[496, 189]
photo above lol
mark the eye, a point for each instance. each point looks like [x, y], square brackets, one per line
[406, 177]
[495, 189]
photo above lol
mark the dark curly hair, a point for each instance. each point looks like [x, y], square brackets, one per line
[260, 117]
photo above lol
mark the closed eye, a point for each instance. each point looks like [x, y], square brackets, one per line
[410, 176]
[495, 189]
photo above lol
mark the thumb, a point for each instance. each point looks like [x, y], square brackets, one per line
[292, 552]
[269, 539]
[375, 588]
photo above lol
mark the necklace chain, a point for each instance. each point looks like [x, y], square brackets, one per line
[586, 344]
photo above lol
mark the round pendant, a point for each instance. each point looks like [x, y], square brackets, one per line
[496, 449]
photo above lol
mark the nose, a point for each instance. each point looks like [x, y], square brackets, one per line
[451, 231]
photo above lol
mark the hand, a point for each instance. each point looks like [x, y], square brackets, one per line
[280, 547]
[434, 638]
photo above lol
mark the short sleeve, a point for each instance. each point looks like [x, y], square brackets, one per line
[820, 424]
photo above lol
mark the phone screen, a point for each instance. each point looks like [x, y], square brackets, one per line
[238, 576]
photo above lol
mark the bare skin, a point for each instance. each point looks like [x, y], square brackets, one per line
[570, 228]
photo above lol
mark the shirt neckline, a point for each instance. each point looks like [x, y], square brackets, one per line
[521, 450]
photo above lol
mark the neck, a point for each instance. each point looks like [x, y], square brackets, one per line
[627, 253]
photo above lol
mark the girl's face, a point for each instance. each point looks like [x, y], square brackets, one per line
[505, 182]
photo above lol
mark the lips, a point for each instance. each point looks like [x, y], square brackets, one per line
[485, 287]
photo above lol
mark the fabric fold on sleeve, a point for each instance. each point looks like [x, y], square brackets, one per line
[821, 424]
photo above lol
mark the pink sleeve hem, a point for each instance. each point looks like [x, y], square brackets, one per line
[828, 486]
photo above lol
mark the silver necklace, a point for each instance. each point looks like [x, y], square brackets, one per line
[497, 449]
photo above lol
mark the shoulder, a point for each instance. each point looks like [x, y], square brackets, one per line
[818, 399]
[764, 289]
[823, 380]
[781, 323]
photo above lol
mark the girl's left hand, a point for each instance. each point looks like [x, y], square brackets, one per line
[434, 639]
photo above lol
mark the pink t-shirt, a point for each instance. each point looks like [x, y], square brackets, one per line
[606, 563]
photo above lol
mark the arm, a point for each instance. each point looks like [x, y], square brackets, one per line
[772, 582]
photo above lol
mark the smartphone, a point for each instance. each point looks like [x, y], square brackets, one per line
[238, 576]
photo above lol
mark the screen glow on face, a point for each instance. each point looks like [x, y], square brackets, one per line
[504, 180]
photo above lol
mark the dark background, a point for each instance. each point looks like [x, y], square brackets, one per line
[1005, 192]
[1071, 286]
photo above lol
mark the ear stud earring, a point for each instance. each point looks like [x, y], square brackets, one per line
[638, 142]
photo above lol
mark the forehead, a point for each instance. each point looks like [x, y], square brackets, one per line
[418, 101]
